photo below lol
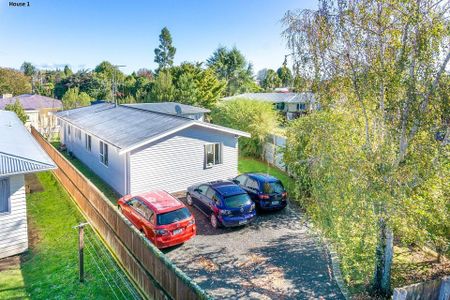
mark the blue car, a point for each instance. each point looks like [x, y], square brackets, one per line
[266, 191]
[225, 203]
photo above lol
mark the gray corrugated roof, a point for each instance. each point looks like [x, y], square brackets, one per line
[276, 97]
[169, 108]
[125, 126]
[32, 102]
[19, 151]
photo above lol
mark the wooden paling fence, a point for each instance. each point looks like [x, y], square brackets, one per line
[155, 275]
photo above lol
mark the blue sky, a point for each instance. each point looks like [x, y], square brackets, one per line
[83, 33]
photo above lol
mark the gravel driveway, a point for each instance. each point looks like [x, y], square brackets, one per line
[276, 257]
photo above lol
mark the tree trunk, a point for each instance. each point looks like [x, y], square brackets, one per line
[383, 260]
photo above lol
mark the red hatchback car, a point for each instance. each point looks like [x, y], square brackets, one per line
[164, 220]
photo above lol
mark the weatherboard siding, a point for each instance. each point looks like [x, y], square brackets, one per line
[13, 225]
[177, 161]
[113, 174]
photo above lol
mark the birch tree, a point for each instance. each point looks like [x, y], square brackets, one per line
[382, 61]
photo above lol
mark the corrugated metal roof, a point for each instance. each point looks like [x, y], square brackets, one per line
[125, 126]
[32, 102]
[19, 151]
[170, 108]
[306, 97]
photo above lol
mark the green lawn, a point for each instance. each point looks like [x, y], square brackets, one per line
[49, 270]
[253, 165]
[96, 180]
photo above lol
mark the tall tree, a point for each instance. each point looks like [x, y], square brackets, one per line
[14, 82]
[28, 69]
[162, 88]
[231, 66]
[271, 80]
[67, 71]
[285, 76]
[386, 57]
[165, 52]
[18, 109]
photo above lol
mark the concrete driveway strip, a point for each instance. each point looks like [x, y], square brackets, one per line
[276, 257]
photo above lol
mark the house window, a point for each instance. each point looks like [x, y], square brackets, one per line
[104, 153]
[87, 141]
[279, 105]
[213, 154]
[4, 195]
[79, 134]
[68, 129]
[301, 106]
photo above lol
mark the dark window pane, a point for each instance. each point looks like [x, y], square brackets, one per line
[173, 216]
[237, 201]
[273, 187]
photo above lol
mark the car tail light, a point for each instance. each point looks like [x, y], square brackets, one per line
[191, 222]
[161, 232]
[284, 194]
[263, 196]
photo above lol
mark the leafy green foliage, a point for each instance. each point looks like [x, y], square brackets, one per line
[28, 69]
[162, 88]
[73, 98]
[231, 66]
[257, 118]
[285, 76]
[165, 52]
[18, 109]
[271, 80]
[14, 82]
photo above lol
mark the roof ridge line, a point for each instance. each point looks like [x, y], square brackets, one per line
[155, 112]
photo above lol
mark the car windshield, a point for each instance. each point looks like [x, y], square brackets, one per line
[174, 216]
[273, 187]
[237, 201]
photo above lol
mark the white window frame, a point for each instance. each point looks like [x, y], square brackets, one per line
[8, 193]
[88, 142]
[220, 160]
[104, 158]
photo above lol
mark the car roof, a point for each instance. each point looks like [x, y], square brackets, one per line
[160, 201]
[262, 177]
[226, 188]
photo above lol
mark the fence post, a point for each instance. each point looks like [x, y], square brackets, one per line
[80, 228]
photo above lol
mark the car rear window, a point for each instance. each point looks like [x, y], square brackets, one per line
[237, 201]
[273, 187]
[173, 216]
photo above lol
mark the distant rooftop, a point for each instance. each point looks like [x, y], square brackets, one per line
[170, 108]
[276, 97]
[32, 102]
[19, 152]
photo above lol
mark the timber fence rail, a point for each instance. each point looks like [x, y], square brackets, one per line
[155, 275]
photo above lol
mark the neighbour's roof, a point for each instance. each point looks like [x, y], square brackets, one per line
[170, 108]
[129, 128]
[161, 201]
[19, 152]
[32, 102]
[276, 97]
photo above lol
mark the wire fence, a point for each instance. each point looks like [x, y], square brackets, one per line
[98, 261]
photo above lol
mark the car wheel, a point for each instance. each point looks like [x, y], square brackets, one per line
[189, 199]
[214, 221]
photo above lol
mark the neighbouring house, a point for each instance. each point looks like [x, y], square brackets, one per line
[39, 109]
[20, 154]
[292, 105]
[173, 108]
[135, 150]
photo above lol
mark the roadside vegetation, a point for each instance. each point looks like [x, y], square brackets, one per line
[50, 268]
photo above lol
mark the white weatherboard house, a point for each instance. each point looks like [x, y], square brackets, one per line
[135, 150]
[19, 154]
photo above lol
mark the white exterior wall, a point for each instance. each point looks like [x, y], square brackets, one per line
[177, 161]
[113, 174]
[13, 224]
